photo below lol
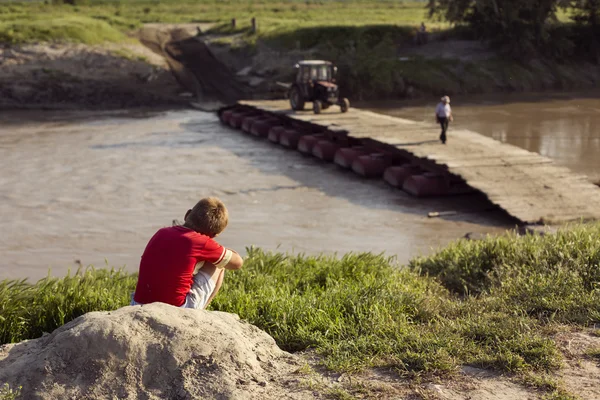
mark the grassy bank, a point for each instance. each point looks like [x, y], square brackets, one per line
[370, 41]
[494, 303]
[32, 22]
[24, 22]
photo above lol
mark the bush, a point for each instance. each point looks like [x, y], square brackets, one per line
[554, 277]
[7, 393]
[361, 311]
[28, 310]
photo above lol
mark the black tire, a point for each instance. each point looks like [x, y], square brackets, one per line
[317, 106]
[344, 105]
[296, 100]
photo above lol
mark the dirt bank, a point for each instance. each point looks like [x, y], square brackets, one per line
[59, 76]
[408, 71]
[163, 60]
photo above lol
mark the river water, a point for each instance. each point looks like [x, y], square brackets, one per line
[91, 188]
[561, 126]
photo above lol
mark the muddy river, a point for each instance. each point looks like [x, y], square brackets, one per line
[92, 188]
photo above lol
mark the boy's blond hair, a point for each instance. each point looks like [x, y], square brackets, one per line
[208, 217]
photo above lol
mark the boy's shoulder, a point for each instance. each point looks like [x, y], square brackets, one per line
[180, 230]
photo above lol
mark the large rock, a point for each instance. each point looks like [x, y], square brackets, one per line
[152, 352]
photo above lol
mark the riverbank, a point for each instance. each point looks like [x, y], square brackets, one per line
[80, 76]
[52, 76]
[510, 314]
[89, 56]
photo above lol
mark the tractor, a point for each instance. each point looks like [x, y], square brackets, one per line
[315, 81]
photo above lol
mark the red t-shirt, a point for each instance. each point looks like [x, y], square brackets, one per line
[168, 263]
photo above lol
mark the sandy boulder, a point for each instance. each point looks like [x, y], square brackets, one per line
[152, 352]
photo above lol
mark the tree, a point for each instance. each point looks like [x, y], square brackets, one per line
[520, 26]
[587, 18]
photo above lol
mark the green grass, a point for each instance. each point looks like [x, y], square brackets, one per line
[275, 18]
[28, 310]
[362, 37]
[552, 278]
[360, 311]
[594, 353]
[70, 28]
[8, 393]
[491, 304]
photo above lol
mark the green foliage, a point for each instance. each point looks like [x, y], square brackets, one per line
[360, 311]
[28, 310]
[522, 27]
[587, 12]
[61, 28]
[289, 20]
[554, 277]
[594, 353]
[483, 303]
[7, 393]
[526, 28]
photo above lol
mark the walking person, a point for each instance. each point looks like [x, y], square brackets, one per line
[443, 115]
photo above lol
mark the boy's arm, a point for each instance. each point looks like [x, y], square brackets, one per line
[220, 256]
[229, 259]
[236, 261]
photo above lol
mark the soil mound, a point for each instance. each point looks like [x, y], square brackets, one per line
[152, 352]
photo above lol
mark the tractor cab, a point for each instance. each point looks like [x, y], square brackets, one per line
[315, 81]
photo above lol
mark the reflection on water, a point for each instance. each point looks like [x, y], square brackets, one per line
[563, 128]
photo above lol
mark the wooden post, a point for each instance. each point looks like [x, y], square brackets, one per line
[254, 27]
[233, 22]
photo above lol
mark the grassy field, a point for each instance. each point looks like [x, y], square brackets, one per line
[33, 21]
[494, 304]
[363, 37]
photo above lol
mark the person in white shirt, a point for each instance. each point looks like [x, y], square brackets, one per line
[443, 115]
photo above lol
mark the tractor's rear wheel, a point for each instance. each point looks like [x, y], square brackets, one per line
[344, 105]
[296, 100]
[317, 106]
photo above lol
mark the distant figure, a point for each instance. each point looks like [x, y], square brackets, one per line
[422, 34]
[183, 265]
[443, 115]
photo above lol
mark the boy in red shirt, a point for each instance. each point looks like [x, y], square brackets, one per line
[183, 265]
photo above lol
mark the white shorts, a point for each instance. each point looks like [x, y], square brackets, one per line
[202, 287]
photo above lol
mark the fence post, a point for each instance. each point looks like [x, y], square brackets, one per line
[254, 27]
[233, 22]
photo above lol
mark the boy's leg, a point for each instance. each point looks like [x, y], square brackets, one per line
[205, 286]
[218, 283]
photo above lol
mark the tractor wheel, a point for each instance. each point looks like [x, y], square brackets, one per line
[344, 105]
[296, 100]
[317, 106]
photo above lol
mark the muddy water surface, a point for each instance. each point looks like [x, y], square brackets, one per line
[94, 187]
[564, 127]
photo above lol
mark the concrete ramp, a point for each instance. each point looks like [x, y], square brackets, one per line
[212, 80]
[195, 67]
